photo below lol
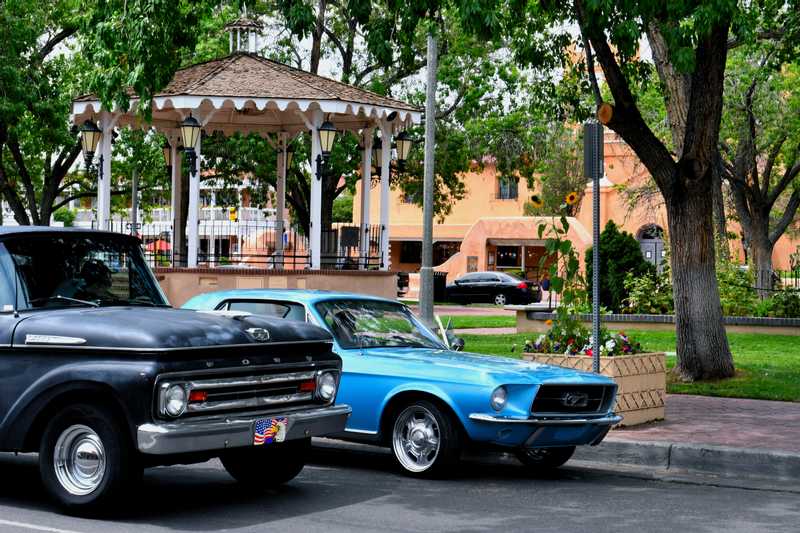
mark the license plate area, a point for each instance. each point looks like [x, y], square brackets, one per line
[269, 430]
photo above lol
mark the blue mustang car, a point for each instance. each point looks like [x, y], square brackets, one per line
[410, 391]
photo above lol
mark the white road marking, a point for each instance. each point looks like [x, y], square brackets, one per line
[35, 527]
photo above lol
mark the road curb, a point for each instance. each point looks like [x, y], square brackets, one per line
[665, 457]
[696, 458]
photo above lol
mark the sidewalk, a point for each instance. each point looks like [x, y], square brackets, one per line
[730, 422]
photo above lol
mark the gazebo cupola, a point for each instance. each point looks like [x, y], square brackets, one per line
[243, 34]
[246, 93]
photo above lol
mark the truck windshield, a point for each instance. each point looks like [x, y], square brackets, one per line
[74, 270]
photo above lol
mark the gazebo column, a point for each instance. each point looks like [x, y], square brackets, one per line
[281, 200]
[366, 182]
[193, 219]
[178, 229]
[104, 177]
[386, 158]
[315, 239]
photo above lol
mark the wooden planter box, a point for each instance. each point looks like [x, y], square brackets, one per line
[641, 381]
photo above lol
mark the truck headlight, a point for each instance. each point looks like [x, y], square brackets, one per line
[326, 386]
[498, 399]
[175, 400]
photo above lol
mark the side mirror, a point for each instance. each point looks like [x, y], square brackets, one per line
[456, 343]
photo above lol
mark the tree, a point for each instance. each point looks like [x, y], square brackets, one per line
[760, 151]
[689, 44]
[620, 256]
[52, 51]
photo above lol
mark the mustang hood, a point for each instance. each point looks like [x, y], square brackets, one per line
[464, 366]
[156, 328]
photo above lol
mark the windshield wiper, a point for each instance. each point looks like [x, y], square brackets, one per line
[131, 301]
[58, 297]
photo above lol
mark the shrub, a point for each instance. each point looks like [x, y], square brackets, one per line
[783, 304]
[650, 294]
[736, 293]
[67, 216]
[620, 256]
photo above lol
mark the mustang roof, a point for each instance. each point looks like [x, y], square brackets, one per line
[306, 296]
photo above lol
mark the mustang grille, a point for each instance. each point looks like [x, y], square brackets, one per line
[573, 399]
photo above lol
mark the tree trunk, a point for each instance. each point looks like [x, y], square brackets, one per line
[761, 255]
[316, 37]
[720, 224]
[702, 346]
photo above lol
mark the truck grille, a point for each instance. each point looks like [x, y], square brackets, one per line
[573, 399]
[257, 390]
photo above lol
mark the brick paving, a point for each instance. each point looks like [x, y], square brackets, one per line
[723, 422]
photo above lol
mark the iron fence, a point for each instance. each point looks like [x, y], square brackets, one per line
[254, 244]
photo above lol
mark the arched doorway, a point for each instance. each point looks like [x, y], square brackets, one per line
[651, 241]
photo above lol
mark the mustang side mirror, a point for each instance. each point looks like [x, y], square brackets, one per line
[456, 343]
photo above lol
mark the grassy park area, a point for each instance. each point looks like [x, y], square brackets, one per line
[767, 366]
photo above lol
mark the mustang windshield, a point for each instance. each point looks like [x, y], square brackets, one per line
[373, 323]
[77, 269]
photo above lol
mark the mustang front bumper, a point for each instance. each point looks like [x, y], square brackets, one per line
[235, 431]
[534, 432]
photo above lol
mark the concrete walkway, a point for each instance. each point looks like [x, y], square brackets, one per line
[730, 422]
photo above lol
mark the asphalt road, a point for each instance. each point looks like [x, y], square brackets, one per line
[347, 491]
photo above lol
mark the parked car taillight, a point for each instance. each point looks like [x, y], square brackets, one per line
[522, 285]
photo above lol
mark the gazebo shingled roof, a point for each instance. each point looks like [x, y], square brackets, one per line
[252, 84]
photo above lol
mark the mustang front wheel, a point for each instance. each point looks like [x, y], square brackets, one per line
[425, 440]
[545, 458]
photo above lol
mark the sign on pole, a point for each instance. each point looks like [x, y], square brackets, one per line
[593, 169]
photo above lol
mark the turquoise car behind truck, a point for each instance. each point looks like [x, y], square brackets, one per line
[409, 391]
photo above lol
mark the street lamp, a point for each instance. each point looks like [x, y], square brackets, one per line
[190, 132]
[404, 143]
[327, 134]
[289, 156]
[377, 151]
[167, 149]
[90, 136]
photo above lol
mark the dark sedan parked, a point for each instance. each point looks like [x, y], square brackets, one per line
[495, 287]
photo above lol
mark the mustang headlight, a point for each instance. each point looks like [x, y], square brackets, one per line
[499, 398]
[174, 400]
[326, 386]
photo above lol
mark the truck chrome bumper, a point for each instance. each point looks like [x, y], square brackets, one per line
[235, 431]
[609, 420]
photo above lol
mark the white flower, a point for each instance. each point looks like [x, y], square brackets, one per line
[610, 345]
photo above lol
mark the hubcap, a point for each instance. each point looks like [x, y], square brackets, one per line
[79, 460]
[415, 439]
[500, 299]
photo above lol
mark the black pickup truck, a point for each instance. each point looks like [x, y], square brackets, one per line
[101, 377]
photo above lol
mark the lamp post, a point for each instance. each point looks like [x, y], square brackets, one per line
[404, 142]
[327, 134]
[190, 132]
[167, 150]
[90, 136]
[289, 156]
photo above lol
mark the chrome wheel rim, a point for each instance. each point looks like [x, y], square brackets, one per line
[500, 299]
[416, 439]
[79, 460]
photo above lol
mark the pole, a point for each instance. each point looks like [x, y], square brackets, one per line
[426, 272]
[593, 167]
[135, 202]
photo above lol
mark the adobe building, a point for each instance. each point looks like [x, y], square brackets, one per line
[487, 229]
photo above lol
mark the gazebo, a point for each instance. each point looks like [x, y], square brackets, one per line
[244, 92]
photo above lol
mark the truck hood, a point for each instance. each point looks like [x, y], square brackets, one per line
[151, 328]
[478, 368]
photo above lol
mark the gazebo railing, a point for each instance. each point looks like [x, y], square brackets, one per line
[254, 244]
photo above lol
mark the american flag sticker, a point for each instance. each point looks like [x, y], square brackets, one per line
[270, 430]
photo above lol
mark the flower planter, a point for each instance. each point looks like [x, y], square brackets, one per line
[641, 381]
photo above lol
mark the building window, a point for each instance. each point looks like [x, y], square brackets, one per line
[444, 250]
[508, 256]
[411, 252]
[507, 188]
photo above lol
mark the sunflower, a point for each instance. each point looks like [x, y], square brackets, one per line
[548, 322]
[572, 198]
[536, 201]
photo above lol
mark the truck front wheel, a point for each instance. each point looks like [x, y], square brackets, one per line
[85, 461]
[267, 466]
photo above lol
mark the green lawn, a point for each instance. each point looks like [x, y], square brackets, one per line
[768, 366]
[476, 321]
